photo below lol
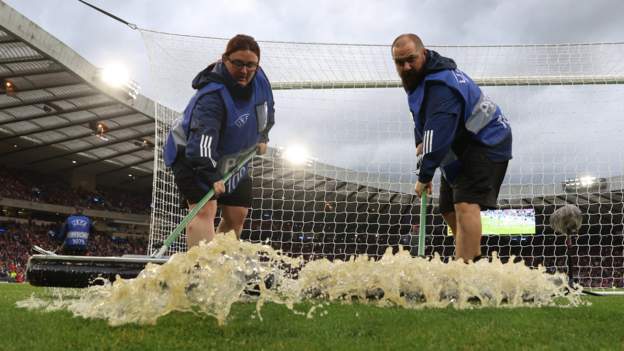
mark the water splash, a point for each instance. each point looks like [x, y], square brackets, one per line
[209, 278]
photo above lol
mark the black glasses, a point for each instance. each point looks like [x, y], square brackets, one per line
[400, 61]
[240, 64]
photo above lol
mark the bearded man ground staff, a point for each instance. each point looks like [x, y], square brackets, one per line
[458, 129]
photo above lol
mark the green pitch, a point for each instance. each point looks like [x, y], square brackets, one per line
[345, 327]
[491, 225]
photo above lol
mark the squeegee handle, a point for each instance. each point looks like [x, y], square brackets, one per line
[422, 224]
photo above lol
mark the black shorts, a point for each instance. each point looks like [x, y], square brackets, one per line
[478, 182]
[191, 192]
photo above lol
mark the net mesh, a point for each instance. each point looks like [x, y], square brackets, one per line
[353, 194]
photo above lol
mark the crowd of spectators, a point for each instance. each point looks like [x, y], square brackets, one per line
[18, 239]
[31, 186]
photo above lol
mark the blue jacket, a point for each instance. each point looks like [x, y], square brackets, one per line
[450, 113]
[76, 231]
[221, 124]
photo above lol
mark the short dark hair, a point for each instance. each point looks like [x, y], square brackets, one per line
[242, 42]
[411, 36]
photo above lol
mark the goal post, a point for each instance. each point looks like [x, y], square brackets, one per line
[352, 194]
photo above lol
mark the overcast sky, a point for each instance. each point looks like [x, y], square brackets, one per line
[102, 40]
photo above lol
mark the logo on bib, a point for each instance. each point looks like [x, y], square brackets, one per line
[241, 120]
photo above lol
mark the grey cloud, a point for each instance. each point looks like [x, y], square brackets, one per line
[438, 22]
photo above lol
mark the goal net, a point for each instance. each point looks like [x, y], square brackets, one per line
[338, 179]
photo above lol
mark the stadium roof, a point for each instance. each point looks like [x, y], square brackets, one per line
[51, 102]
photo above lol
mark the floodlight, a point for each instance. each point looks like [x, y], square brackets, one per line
[117, 76]
[585, 183]
[296, 154]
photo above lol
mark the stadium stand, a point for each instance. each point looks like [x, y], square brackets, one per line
[33, 186]
[17, 240]
[67, 139]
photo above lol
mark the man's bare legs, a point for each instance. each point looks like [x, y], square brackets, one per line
[465, 223]
[451, 220]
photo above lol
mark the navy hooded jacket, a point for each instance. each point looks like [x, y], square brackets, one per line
[222, 123]
[450, 113]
